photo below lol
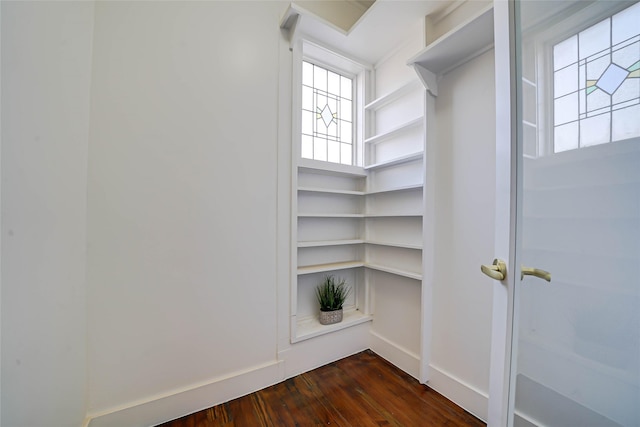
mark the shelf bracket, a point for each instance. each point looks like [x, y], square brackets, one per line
[428, 79]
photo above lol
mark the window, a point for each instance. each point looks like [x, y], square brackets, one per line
[329, 89]
[596, 83]
[327, 115]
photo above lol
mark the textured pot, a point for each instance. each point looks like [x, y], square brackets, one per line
[330, 317]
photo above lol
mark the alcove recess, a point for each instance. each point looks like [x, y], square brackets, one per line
[364, 224]
[373, 225]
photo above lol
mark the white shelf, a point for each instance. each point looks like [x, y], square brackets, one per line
[328, 168]
[397, 189]
[330, 215]
[322, 243]
[320, 268]
[397, 161]
[393, 215]
[396, 271]
[398, 129]
[310, 327]
[331, 191]
[394, 245]
[376, 104]
[466, 41]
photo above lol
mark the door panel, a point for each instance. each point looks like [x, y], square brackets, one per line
[576, 347]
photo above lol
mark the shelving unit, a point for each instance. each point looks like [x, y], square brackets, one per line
[350, 205]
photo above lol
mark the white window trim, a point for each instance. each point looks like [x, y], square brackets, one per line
[314, 52]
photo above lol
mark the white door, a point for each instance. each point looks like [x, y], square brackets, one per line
[566, 344]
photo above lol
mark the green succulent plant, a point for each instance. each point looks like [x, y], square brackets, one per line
[332, 293]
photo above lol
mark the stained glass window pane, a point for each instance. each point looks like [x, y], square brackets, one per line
[626, 123]
[627, 91]
[319, 78]
[345, 132]
[596, 83]
[566, 80]
[627, 55]
[345, 109]
[320, 149]
[333, 83]
[566, 109]
[346, 154]
[625, 24]
[307, 98]
[566, 137]
[334, 152]
[595, 130]
[565, 53]
[345, 88]
[307, 74]
[594, 39]
[307, 122]
[327, 122]
[307, 147]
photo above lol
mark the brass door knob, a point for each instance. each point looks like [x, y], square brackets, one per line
[497, 271]
[529, 271]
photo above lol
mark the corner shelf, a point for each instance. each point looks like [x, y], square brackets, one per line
[323, 243]
[393, 245]
[331, 191]
[397, 189]
[396, 271]
[394, 95]
[321, 268]
[310, 327]
[390, 133]
[466, 41]
[330, 215]
[396, 161]
[394, 215]
[331, 169]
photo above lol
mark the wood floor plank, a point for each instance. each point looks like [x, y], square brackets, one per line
[363, 390]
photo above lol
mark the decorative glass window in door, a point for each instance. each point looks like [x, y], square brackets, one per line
[327, 115]
[596, 83]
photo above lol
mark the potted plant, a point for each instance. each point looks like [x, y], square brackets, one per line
[331, 294]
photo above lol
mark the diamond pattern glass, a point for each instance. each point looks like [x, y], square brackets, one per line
[327, 124]
[596, 73]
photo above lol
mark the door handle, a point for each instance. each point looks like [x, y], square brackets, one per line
[497, 271]
[528, 271]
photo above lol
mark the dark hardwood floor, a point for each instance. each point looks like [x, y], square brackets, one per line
[361, 390]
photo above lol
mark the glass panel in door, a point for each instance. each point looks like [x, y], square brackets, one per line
[577, 338]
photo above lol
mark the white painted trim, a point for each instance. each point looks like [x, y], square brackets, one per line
[461, 393]
[187, 400]
[428, 233]
[504, 240]
[395, 354]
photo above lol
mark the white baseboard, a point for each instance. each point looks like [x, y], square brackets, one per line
[395, 354]
[310, 354]
[299, 358]
[462, 394]
[186, 401]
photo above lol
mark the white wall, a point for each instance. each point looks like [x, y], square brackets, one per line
[46, 58]
[465, 205]
[182, 198]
